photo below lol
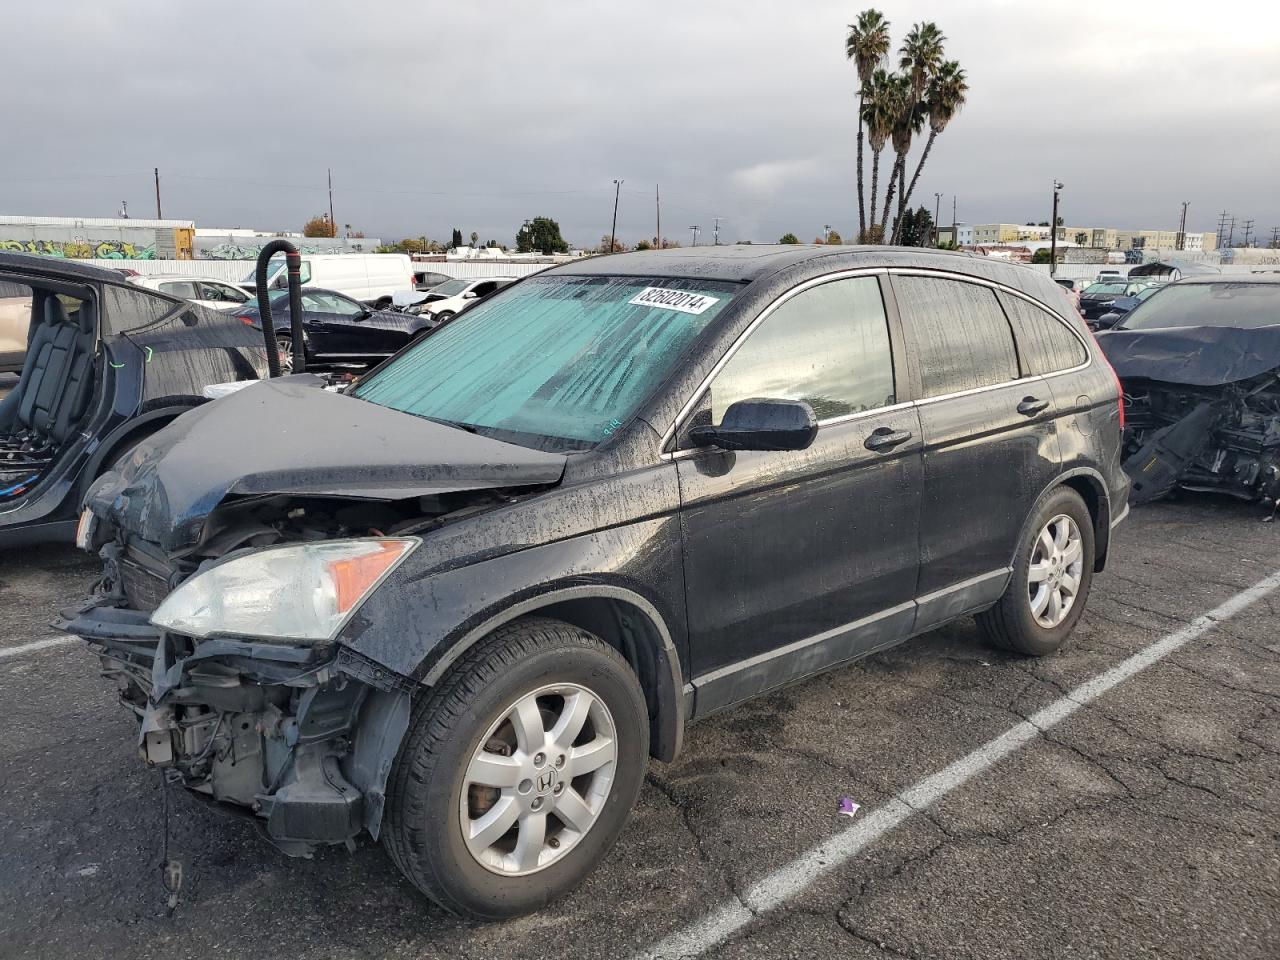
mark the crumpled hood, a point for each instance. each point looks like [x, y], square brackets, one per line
[287, 436]
[1195, 356]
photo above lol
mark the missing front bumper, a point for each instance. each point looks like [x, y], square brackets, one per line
[302, 739]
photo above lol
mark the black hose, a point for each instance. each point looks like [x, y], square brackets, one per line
[293, 264]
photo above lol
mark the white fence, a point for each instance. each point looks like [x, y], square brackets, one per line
[239, 270]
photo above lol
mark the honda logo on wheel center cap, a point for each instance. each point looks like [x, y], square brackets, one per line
[546, 781]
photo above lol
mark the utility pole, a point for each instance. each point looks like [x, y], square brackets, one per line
[613, 233]
[716, 235]
[1053, 231]
[695, 228]
[158, 216]
[1231, 230]
[1275, 237]
[333, 224]
[1222, 228]
[657, 204]
[1248, 231]
[955, 232]
[1182, 227]
[937, 212]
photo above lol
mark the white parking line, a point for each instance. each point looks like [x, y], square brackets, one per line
[36, 645]
[792, 879]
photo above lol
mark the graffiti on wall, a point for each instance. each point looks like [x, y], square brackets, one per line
[247, 248]
[82, 250]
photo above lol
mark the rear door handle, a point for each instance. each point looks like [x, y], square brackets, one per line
[1030, 406]
[886, 438]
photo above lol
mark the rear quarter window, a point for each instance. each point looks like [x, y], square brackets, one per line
[1044, 342]
[956, 334]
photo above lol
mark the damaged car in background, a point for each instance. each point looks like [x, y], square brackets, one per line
[538, 541]
[1200, 365]
[104, 364]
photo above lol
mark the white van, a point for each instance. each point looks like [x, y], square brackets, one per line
[370, 278]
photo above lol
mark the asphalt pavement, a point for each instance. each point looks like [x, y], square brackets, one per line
[1143, 821]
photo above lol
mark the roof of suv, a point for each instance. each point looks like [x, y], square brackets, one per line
[745, 262]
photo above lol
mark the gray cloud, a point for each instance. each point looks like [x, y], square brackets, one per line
[478, 115]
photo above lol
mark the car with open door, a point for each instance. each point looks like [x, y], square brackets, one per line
[337, 329]
[611, 499]
[105, 363]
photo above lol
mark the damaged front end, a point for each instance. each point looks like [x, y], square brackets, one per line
[300, 736]
[1220, 439]
[230, 585]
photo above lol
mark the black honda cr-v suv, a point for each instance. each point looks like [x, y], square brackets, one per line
[619, 495]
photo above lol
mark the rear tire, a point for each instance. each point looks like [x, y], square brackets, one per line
[1025, 619]
[508, 693]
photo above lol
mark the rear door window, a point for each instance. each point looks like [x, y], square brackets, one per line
[827, 346]
[1044, 342]
[181, 288]
[956, 333]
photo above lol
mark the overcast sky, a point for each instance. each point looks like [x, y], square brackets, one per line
[480, 114]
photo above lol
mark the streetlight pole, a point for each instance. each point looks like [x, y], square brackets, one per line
[613, 233]
[1053, 231]
[937, 212]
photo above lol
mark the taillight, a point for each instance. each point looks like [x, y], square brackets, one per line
[247, 321]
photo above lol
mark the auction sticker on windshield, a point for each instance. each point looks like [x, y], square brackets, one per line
[681, 300]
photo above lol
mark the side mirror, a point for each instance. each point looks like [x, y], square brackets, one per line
[761, 424]
[469, 295]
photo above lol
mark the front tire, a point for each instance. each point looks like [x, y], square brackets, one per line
[1052, 574]
[518, 771]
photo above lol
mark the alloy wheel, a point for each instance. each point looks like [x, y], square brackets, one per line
[538, 780]
[1055, 572]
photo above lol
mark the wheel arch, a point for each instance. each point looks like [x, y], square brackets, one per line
[1089, 484]
[621, 618]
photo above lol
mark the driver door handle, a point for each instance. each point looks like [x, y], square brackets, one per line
[886, 438]
[1030, 406]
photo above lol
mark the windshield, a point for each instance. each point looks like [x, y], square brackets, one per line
[1241, 304]
[451, 288]
[555, 362]
[1104, 289]
[274, 266]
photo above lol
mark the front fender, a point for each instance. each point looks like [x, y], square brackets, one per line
[412, 622]
[418, 625]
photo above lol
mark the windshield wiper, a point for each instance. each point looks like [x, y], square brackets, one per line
[448, 423]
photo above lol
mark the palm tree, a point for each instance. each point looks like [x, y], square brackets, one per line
[867, 45]
[905, 120]
[879, 108]
[942, 101]
[919, 58]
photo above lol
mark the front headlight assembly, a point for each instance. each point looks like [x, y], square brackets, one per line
[301, 593]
